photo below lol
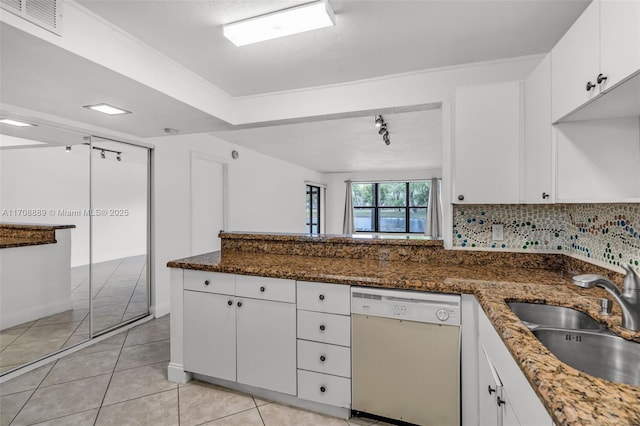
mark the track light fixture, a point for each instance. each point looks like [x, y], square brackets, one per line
[119, 156]
[382, 129]
[68, 148]
[103, 154]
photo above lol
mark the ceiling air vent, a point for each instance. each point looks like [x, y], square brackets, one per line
[44, 13]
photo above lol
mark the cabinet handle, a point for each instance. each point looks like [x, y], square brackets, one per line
[460, 197]
[590, 86]
[206, 282]
[545, 195]
[262, 289]
[490, 390]
[500, 401]
[321, 297]
[323, 358]
[323, 389]
[601, 78]
[322, 327]
[239, 304]
[230, 302]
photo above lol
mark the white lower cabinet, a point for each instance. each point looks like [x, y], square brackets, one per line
[266, 344]
[251, 341]
[324, 343]
[505, 396]
[210, 334]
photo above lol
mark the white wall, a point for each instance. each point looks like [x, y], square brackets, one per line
[264, 194]
[336, 190]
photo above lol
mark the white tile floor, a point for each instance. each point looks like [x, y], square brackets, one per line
[119, 294]
[122, 381]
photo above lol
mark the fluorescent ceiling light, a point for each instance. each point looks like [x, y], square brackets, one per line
[282, 23]
[15, 122]
[107, 109]
[6, 141]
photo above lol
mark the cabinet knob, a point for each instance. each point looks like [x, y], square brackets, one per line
[460, 197]
[230, 302]
[590, 86]
[322, 327]
[323, 358]
[490, 390]
[500, 401]
[601, 78]
[323, 389]
[262, 289]
[545, 195]
[321, 297]
[206, 282]
[239, 304]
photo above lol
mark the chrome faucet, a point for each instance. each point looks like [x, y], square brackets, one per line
[628, 299]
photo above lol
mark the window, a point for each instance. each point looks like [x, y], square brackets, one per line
[390, 206]
[313, 209]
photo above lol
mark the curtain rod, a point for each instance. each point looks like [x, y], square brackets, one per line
[391, 180]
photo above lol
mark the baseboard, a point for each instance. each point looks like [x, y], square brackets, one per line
[35, 313]
[161, 310]
[176, 374]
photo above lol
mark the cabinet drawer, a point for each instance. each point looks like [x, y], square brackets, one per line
[325, 328]
[322, 297]
[275, 289]
[323, 388]
[324, 358]
[211, 282]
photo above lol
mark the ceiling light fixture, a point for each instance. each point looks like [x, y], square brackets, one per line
[107, 109]
[119, 156]
[68, 148]
[383, 129]
[294, 20]
[16, 123]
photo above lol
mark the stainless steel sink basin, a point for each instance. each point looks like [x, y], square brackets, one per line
[554, 316]
[602, 355]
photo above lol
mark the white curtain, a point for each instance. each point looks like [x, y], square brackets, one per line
[348, 226]
[433, 226]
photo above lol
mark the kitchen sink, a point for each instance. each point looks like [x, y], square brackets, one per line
[534, 315]
[602, 355]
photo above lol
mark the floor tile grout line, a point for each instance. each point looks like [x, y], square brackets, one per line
[53, 364]
[231, 415]
[137, 397]
[258, 408]
[110, 275]
[106, 390]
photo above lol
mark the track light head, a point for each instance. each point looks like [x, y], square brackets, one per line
[386, 139]
[68, 148]
[379, 121]
[119, 156]
[103, 154]
[383, 129]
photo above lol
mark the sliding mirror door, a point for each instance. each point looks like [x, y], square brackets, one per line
[44, 243]
[119, 233]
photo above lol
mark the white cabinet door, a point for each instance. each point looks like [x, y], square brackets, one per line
[619, 40]
[488, 386]
[210, 334]
[266, 344]
[538, 148]
[576, 61]
[487, 144]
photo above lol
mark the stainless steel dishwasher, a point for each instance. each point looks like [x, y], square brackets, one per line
[406, 355]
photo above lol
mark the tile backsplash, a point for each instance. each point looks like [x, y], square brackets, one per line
[607, 233]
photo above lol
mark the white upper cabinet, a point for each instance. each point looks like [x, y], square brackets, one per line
[600, 50]
[538, 138]
[488, 138]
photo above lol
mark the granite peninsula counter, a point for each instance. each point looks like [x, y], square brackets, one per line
[570, 396]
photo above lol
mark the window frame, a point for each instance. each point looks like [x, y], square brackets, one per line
[377, 207]
[309, 199]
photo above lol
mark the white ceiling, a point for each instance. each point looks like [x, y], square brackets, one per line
[351, 144]
[372, 38]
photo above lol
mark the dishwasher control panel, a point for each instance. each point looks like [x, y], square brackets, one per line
[406, 305]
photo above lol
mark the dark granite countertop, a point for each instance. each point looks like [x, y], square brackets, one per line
[570, 396]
